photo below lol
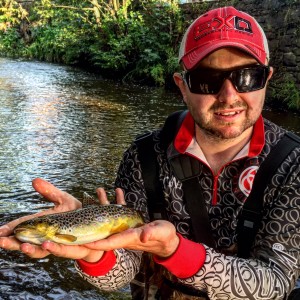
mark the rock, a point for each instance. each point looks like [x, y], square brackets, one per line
[289, 59]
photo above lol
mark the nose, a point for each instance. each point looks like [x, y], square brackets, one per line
[227, 93]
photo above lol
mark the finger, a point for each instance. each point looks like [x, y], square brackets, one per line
[117, 241]
[55, 195]
[33, 251]
[120, 198]
[9, 243]
[102, 196]
[147, 232]
[71, 252]
[162, 234]
[5, 230]
[47, 190]
[158, 237]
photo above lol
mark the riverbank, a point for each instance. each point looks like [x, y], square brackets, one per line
[136, 42]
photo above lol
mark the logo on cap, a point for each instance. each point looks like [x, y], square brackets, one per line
[222, 23]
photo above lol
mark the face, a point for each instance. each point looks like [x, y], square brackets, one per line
[227, 114]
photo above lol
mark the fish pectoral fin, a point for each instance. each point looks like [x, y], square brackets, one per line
[66, 237]
[119, 228]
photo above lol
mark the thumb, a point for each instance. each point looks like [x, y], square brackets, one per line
[55, 195]
[6, 230]
[47, 190]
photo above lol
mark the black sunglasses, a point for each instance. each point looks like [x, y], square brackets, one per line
[210, 81]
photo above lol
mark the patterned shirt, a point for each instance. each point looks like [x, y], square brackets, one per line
[273, 266]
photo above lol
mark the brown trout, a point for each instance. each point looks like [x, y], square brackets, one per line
[81, 226]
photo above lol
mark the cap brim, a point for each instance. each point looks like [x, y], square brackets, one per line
[192, 59]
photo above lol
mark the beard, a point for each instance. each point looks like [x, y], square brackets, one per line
[218, 130]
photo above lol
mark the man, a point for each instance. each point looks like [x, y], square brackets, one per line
[225, 57]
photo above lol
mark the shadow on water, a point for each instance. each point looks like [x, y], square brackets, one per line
[71, 128]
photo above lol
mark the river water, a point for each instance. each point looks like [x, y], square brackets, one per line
[70, 127]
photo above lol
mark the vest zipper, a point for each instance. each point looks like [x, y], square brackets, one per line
[215, 190]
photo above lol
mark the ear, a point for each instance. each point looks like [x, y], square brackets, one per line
[270, 73]
[181, 84]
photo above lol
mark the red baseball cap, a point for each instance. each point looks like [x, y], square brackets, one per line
[219, 28]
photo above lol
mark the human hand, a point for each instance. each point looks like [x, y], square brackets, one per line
[158, 237]
[62, 202]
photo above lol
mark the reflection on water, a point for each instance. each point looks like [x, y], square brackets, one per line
[70, 127]
[288, 120]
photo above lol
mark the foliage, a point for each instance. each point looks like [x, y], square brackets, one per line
[11, 13]
[10, 44]
[60, 32]
[137, 40]
[283, 90]
[143, 45]
[134, 40]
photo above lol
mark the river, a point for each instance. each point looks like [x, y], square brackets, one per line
[70, 127]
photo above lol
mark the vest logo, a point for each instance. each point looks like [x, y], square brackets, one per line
[278, 247]
[221, 23]
[246, 180]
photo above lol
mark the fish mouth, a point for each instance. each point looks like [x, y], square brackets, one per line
[29, 235]
[25, 230]
[35, 236]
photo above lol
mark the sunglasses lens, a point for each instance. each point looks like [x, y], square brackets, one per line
[250, 79]
[204, 81]
[208, 81]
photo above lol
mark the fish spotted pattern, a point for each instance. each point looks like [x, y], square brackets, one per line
[80, 226]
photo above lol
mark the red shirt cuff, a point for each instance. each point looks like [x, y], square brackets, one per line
[186, 261]
[100, 268]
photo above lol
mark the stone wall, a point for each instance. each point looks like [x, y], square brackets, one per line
[280, 20]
